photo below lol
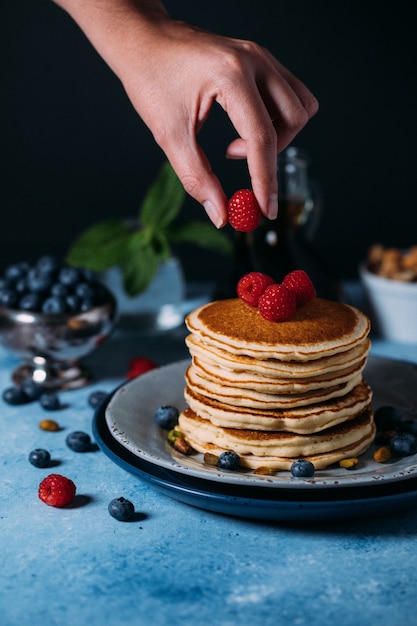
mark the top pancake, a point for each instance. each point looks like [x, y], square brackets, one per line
[319, 328]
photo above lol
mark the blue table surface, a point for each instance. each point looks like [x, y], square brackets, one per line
[176, 564]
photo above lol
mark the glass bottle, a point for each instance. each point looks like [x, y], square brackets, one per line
[287, 243]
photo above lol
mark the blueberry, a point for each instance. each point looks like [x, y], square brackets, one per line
[121, 509]
[72, 302]
[166, 416]
[302, 468]
[38, 282]
[78, 441]
[30, 302]
[86, 304]
[96, 398]
[70, 276]
[403, 444]
[49, 401]
[48, 264]
[32, 389]
[228, 460]
[9, 298]
[84, 290]
[54, 304]
[15, 395]
[17, 270]
[387, 418]
[21, 286]
[39, 457]
[60, 290]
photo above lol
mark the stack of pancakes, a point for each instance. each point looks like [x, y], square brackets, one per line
[275, 392]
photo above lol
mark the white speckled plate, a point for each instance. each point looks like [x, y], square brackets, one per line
[130, 418]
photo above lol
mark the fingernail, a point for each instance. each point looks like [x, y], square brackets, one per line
[273, 206]
[213, 213]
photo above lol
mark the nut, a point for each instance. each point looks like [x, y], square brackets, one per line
[50, 425]
[183, 446]
[210, 459]
[349, 463]
[393, 263]
[382, 455]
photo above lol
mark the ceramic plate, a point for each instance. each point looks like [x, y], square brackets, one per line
[284, 505]
[129, 416]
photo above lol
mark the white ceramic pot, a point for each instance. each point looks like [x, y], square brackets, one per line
[159, 308]
[393, 306]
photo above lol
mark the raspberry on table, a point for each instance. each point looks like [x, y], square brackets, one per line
[244, 213]
[277, 303]
[56, 490]
[139, 365]
[251, 286]
[300, 283]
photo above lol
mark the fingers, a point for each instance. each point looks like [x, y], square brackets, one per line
[267, 118]
[193, 169]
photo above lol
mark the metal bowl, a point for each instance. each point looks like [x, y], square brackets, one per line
[51, 345]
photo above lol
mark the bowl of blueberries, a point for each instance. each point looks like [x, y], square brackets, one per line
[51, 316]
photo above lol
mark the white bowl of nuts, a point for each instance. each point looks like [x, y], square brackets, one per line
[389, 278]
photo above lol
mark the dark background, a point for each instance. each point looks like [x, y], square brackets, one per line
[73, 151]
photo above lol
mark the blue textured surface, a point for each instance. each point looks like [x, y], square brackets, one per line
[174, 564]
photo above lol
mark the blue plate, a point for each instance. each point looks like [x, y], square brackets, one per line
[301, 505]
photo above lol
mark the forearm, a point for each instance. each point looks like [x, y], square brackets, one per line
[118, 28]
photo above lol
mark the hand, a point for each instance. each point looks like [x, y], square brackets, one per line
[173, 73]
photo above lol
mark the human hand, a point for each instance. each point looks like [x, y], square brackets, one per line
[173, 74]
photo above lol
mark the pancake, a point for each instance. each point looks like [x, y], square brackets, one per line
[303, 420]
[275, 367]
[237, 396]
[319, 328]
[277, 450]
[274, 392]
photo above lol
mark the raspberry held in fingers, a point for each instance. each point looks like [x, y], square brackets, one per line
[243, 211]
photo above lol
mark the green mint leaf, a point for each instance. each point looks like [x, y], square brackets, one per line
[100, 247]
[163, 200]
[139, 265]
[201, 234]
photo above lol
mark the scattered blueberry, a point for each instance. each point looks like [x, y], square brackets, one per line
[403, 444]
[39, 457]
[166, 416]
[228, 460]
[32, 389]
[302, 469]
[387, 418]
[121, 509]
[96, 398]
[49, 401]
[78, 441]
[15, 395]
